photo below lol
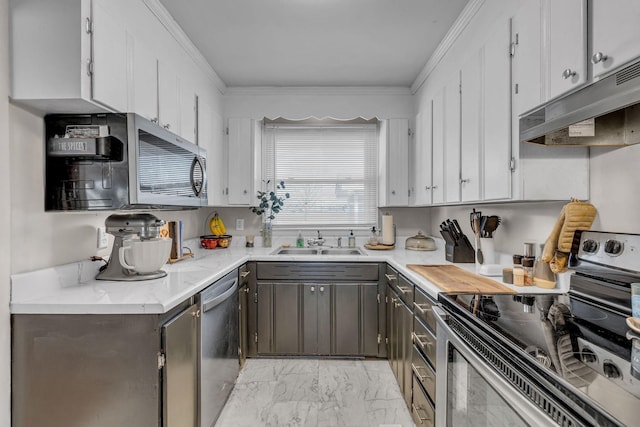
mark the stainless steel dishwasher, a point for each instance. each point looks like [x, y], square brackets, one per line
[219, 341]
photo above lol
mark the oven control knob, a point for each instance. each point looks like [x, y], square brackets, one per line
[590, 246]
[613, 247]
[588, 356]
[610, 370]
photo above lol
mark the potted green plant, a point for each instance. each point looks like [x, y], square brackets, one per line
[270, 205]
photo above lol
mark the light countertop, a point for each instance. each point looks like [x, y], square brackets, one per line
[72, 288]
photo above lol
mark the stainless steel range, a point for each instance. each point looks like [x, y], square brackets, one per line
[563, 359]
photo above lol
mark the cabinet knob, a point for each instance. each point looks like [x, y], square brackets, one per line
[434, 187]
[428, 187]
[154, 120]
[167, 126]
[568, 73]
[464, 181]
[598, 57]
[245, 192]
[321, 288]
[313, 289]
[393, 192]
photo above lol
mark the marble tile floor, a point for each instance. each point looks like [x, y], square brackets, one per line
[315, 393]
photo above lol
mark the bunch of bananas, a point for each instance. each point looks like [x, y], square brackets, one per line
[216, 225]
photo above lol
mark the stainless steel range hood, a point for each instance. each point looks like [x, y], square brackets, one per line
[605, 113]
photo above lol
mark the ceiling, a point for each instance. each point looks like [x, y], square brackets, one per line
[316, 42]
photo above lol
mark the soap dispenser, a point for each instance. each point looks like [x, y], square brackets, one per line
[300, 240]
[352, 240]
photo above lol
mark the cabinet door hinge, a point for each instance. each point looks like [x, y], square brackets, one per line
[255, 337]
[516, 88]
[89, 67]
[378, 297]
[88, 26]
[162, 360]
[386, 340]
[512, 164]
[226, 131]
[255, 297]
[409, 132]
[379, 339]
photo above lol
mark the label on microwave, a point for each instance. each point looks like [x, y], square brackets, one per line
[71, 146]
[583, 128]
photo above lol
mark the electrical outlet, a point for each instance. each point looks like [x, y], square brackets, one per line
[240, 224]
[103, 242]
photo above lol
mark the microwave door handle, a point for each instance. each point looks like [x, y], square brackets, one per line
[197, 160]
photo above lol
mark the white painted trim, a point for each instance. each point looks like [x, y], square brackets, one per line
[449, 39]
[318, 90]
[185, 42]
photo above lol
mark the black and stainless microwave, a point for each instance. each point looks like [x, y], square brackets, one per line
[119, 161]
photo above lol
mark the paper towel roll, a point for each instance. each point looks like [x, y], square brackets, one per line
[388, 237]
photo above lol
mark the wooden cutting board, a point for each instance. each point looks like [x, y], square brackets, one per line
[451, 278]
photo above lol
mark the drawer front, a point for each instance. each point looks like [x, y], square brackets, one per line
[405, 290]
[423, 373]
[325, 271]
[423, 309]
[425, 341]
[422, 412]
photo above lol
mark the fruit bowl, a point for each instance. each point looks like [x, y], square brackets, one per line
[224, 241]
[209, 242]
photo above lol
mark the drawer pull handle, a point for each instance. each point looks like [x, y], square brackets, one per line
[404, 289]
[391, 277]
[422, 308]
[418, 338]
[421, 376]
[244, 274]
[417, 410]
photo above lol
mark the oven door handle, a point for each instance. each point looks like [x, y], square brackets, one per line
[448, 338]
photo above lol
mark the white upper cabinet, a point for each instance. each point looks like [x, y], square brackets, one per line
[615, 34]
[566, 24]
[211, 138]
[68, 56]
[188, 107]
[452, 140]
[526, 49]
[394, 161]
[437, 166]
[496, 107]
[145, 82]
[109, 52]
[240, 160]
[168, 100]
[421, 159]
[471, 129]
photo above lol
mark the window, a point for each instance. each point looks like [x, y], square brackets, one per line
[329, 168]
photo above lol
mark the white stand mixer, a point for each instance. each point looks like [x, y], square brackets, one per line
[143, 231]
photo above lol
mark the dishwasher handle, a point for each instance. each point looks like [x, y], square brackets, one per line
[217, 300]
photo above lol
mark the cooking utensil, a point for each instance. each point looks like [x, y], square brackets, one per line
[476, 228]
[491, 224]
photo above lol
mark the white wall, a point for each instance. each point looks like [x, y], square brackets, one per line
[5, 325]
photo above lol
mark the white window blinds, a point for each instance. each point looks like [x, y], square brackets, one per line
[330, 171]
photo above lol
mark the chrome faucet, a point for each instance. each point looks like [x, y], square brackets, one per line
[316, 242]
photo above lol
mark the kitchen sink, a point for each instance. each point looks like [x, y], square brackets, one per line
[341, 251]
[318, 251]
[295, 251]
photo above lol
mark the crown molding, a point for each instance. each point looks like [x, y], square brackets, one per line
[318, 90]
[449, 39]
[185, 42]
